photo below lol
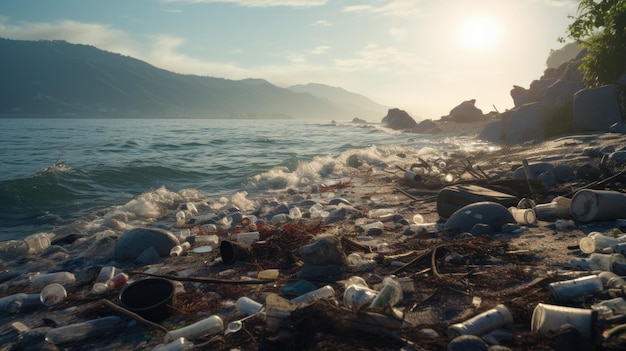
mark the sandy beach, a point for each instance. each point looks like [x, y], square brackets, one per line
[446, 277]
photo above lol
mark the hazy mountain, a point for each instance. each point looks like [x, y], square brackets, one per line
[59, 78]
[341, 97]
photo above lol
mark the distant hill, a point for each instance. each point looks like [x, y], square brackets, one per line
[61, 79]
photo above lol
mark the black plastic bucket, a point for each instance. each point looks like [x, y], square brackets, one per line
[150, 298]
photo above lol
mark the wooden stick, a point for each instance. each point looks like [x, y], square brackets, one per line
[133, 315]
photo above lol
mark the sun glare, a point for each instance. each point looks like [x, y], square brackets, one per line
[479, 33]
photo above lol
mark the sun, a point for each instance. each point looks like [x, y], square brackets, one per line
[479, 33]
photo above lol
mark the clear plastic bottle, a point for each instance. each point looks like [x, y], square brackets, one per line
[180, 344]
[390, 294]
[84, 330]
[14, 303]
[324, 292]
[207, 326]
[41, 280]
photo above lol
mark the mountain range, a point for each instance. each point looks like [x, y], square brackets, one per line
[57, 78]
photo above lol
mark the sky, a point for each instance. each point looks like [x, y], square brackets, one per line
[421, 56]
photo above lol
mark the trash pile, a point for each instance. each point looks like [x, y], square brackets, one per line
[447, 256]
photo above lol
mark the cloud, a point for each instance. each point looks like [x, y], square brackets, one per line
[259, 3]
[388, 59]
[322, 23]
[398, 34]
[398, 8]
[322, 49]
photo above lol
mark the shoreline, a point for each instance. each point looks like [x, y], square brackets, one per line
[512, 269]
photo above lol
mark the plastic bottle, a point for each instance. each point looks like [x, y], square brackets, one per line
[180, 344]
[481, 324]
[180, 249]
[117, 281]
[324, 292]
[207, 326]
[358, 293]
[248, 305]
[41, 280]
[84, 330]
[14, 303]
[38, 242]
[390, 294]
[358, 263]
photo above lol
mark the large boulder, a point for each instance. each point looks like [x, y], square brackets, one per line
[466, 112]
[132, 244]
[398, 120]
[561, 93]
[426, 126]
[528, 123]
[596, 109]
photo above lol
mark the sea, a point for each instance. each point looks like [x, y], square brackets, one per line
[75, 175]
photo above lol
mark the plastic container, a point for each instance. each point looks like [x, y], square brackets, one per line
[150, 298]
[248, 305]
[356, 296]
[84, 330]
[326, 291]
[481, 324]
[523, 216]
[208, 326]
[390, 294]
[547, 319]
[41, 280]
[596, 242]
[180, 249]
[180, 344]
[610, 308]
[117, 281]
[268, 274]
[568, 290]
[38, 242]
[598, 205]
[358, 263]
[52, 294]
[106, 273]
[14, 303]
[558, 208]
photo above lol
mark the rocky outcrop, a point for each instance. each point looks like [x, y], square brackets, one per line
[398, 120]
[596, 109]
[466, 112]
[426, 126]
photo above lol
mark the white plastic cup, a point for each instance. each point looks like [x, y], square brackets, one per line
[389, 294]
[357, 296]
[207, 326]
[52, 294]
[106, 273]
[248, 305]
[567, 290]
[596, 242]
[547, 319]
[481, 324]
[523, 215]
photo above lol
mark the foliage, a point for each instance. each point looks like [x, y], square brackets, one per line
[599, 27]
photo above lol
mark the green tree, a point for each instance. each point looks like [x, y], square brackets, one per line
[599, 27]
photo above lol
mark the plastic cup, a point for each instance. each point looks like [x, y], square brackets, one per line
[52, 294]
[357, 296]
[574, 288]
[523, 215]
[596, 242]
[481, 324]
[547, 319]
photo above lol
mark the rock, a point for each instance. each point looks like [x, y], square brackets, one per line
[398, 120]
[135, 241]
[359, 121]
[148, 256]
[468, 343]
[561, 93]
[324, 250]
[522, 96]
[589, 172]
[596, 109]
[466, 112]
[493, 132]
[528, 123]
[354, 161]
[425, 126]
[485, 212]
[618, 157]
[535, 169]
